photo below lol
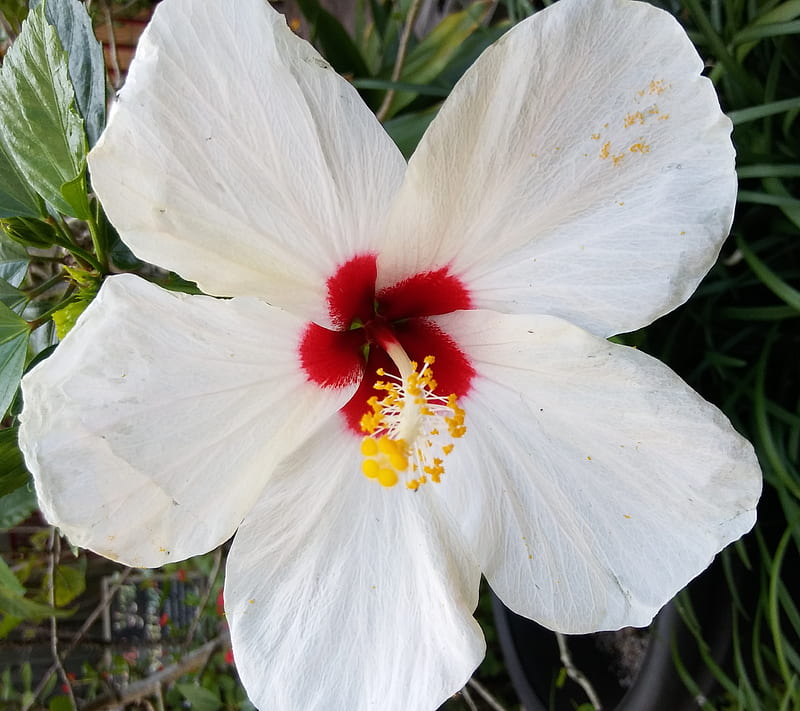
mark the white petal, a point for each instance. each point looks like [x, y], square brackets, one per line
[510, 187]
[342, 594]
[157, 421]
[237, 157]
[593, 482]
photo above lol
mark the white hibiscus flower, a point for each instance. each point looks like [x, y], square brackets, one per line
[578, 182]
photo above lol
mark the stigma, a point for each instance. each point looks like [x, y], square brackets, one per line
[410, 430]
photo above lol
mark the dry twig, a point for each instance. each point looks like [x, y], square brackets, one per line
[413, 11]
[53, 557]
[576, 674]
[485, 695]
[151, 686]
[79, 635]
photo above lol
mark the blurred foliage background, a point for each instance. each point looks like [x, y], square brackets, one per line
[77, 631]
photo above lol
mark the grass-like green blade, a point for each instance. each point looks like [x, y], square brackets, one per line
[753, 113]
[434, 53]
[769, 170]
[770, 279]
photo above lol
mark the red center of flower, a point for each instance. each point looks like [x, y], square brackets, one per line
[365, 318]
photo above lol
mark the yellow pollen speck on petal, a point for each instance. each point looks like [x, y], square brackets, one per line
[625, 516]
[617, 159]
[589, 458]
[411, 428]
[252, 600]
[657, 87]
[630, 119]
[663, 117]
[595, 136]
[605, 151]
[640, 148]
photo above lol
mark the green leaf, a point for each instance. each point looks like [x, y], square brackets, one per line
[38, 122]
[86, 65]
[14, 261]
[17, 198]
[14, 335]
[9, 581]
[337, 45]
[13, 473]
[60, 703]
[30, 233]
[406, 130]
[16, 507]
[12, 297]
[14, 11]
[201, 699]
[70, 581]
[431, 56]
[17, 606]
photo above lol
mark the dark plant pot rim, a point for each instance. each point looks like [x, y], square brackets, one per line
[531, 653]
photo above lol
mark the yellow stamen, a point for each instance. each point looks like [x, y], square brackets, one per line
[405, 428]
[370, 468]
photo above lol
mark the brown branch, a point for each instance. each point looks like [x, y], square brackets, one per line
[79, 635]
[411, 18]
[484, 693]
[116, 78]
[54, 557]
[576, 674]
[150, 686]
[212, 577]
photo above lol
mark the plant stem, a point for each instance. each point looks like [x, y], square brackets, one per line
[146, 687]
[386, 105]
[76, 251]
[45, 317]
[576, 674]
[53, 556]
[45, 285]
[79, 635]
[97, 243]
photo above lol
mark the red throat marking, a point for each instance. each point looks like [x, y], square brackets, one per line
[352, 354]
